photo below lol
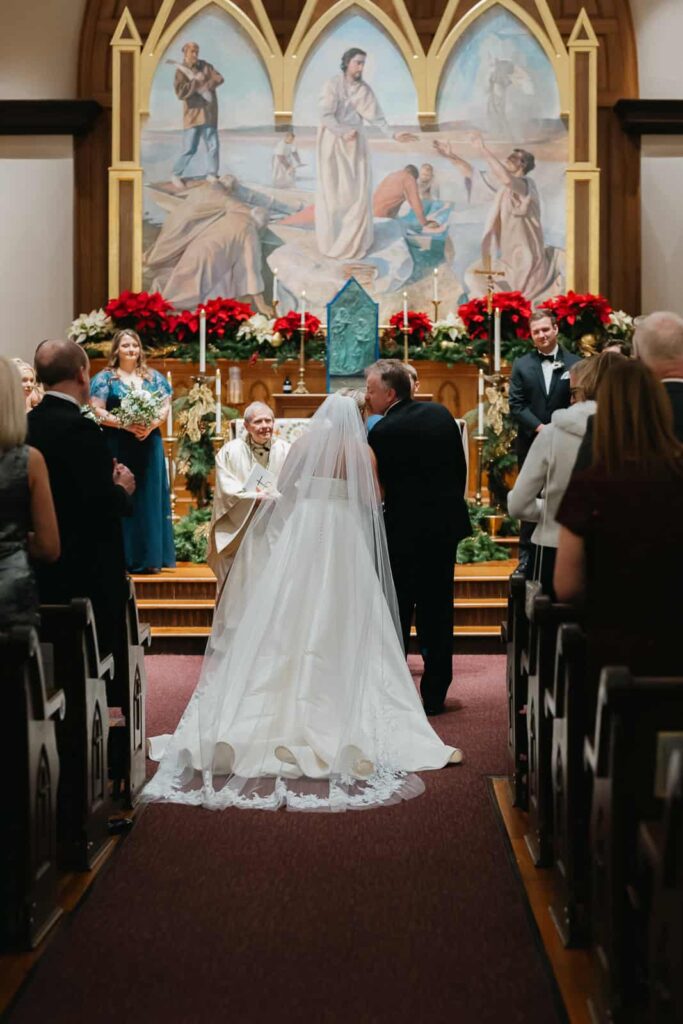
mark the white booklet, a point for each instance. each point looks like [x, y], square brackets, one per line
[259, 482]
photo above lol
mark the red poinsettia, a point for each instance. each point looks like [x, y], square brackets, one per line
[579, 314]
[223, 316]
[289, 324]
[515, 311]
[419, 325]
[146, 312]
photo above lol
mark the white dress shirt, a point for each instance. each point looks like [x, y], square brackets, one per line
[547, 367]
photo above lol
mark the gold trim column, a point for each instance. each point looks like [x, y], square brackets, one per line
[125, 172]
[583, 174]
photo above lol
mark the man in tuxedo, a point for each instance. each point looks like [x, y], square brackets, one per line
[422, 470]
[539, 386]
[90, 494]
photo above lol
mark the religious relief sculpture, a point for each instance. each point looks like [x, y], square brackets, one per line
[352, 331]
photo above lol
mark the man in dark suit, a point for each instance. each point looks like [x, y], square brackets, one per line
[422, 470]
[657, 342]
[539, 386]
[90, 494]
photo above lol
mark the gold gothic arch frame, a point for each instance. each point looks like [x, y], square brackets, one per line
[134, 64]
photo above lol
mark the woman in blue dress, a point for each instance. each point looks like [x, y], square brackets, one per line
[148, 532]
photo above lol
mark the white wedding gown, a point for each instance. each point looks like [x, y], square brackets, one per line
[305, 699]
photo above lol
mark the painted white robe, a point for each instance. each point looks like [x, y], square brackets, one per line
[343, 201]
[231, 513]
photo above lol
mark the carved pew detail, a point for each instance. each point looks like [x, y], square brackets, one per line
[515, 633]
[129, 774]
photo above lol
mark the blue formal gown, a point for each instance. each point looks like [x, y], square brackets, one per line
[148, 532]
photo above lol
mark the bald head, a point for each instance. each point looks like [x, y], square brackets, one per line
[63, 366]
[658, 342]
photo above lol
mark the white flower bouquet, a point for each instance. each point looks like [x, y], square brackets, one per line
[449, 331]
[259, 328]
[91, 327]
[621, 325]
[139, 408]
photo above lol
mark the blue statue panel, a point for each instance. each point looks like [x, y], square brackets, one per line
[352, 331]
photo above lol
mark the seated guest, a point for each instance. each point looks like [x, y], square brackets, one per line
[28, 524]
[33, 392]
[91, 494]
[619, 550]
[544, 476]
[235, 461]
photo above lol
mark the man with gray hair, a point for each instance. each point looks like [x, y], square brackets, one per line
[232, 504]
[658, 342]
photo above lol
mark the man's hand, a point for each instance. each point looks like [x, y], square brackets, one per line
[405, 137]
[350, 136]
[442, 147]
[123, 477]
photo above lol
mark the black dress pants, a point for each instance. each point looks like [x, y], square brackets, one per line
[424, 586]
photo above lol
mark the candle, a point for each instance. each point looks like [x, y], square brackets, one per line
[218, 402]
[275, 285]
[436, 285]
[169, 414]
[496, 342]
[480, 406]
[405, 309]
[303, 309]
[202, 341]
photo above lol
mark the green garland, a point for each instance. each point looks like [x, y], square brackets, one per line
[191, 534]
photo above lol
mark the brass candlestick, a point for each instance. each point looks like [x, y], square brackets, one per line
[405, 331]
[436, 303]
[301, 388]
[275, 303]
[169, 444]
[479, 440]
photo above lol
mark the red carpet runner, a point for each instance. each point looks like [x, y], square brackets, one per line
[409, 913]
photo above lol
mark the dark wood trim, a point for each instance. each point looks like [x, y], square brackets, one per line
[650, 117]
[47, 117]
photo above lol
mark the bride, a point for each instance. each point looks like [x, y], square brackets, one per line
[305, 699]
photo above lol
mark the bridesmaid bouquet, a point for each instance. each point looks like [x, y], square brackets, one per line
[139, 408]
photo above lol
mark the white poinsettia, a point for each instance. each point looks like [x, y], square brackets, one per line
[258, 327]
[621, 324]
[92, 326]
[450, 329]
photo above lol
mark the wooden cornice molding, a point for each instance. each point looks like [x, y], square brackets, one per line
[47, 117]
[650, 117]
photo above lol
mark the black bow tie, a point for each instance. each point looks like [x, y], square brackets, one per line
[546, 359]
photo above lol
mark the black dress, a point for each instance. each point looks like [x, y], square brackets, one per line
[18, 591]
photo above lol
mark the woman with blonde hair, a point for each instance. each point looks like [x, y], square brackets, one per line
[148, 532]
[619, 551]
[33, 392]
[28, 524]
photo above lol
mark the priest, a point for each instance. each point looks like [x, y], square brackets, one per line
[232, 504]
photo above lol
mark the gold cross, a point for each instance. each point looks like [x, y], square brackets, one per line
[489, 273]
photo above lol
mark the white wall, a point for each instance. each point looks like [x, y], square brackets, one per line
[659, 33]
[39, 48]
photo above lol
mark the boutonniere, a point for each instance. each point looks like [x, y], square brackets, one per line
[557, 364]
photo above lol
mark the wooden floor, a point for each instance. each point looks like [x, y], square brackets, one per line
[572, 967]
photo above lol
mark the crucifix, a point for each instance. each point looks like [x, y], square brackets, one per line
[490, 274]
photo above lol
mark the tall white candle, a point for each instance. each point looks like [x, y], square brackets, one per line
[480, 407]
[436, 285]
[169, 414]
[405, 309]
[202, 341]
[218, 401]
[275, 285]
[302, 308]
[496, 341]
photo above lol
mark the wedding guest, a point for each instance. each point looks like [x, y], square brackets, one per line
[232, 507]
[421, 467]
[414, 388]
[543, 478]
[539, 386]
[618, 552]
[91, 494]
[658, 342]
[28, 524]
[33, 393]
[148, 532]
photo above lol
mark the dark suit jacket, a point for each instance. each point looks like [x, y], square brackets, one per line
[89, 507]
[422, 469]
[674, 389]
[530, 404]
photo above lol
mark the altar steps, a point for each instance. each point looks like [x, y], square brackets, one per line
[179, 603]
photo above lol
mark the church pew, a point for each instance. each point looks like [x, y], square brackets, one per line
[84, 800]
[622, 757]
[30, 768]
[570, 709]
[660, 857]
[545, 620]
[127, 740]
[515, 635]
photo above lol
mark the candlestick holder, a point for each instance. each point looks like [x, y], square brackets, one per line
[275, 304]
[405, 331]
[479, 440]
[169, 446]
[436, 303]
[301, 388]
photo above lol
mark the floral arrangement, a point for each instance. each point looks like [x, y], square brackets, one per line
[448, 332]
[92, 327]
[148, 313]
[139, 408]
[620, 329]
[419, 326]
[259, 329]
[288, 325]
[515, 311]
[89, 413]
[191, 535]
[580, 317]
